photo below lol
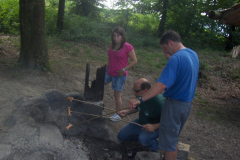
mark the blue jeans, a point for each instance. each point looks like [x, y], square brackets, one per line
[133, 132]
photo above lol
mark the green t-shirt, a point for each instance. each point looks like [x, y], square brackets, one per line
[150, 110]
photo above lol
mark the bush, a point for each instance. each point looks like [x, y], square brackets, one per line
[9, 16]
[201, 41]
[84, 29]
[51, 15]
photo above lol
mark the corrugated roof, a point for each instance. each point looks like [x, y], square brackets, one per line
[229, 16]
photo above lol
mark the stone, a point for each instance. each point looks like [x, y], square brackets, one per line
[115, 156]
[4, 150]
[50, 134]
[144, 155]
[36, 127]
[183, 150]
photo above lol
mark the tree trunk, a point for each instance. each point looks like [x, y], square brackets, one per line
[60, 14]
[163, 19]
[33, 52]
[127, 17]
[229, 43]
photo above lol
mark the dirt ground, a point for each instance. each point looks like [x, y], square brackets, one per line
[212, 130]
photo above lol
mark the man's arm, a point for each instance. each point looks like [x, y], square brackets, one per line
[125, 112]
[152, 92]
[131, 111]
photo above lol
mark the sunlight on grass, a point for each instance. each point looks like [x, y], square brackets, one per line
[75, 51]
[3, 61]
[88, 51]
[205, 101]
[150, 60]
[214, 118]
[200, 114]
[197, 95]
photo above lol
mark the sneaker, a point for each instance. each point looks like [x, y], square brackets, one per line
[115, 118]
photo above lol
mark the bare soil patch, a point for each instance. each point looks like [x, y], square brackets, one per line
[212, 129]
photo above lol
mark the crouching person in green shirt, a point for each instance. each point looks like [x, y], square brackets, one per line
[149, 118]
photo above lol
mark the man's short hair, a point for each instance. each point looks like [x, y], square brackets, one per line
[145, 85]
[169, 35]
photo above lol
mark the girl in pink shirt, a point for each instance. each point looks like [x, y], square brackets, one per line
[118, 55]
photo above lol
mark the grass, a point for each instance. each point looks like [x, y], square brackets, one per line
[150, 60]
[3, 61]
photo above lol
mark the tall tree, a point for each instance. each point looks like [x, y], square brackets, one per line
[60, 14]
[126, 8]
[33, 52]
[163, 19]
[85, 7]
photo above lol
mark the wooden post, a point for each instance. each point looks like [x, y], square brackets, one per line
[96, 91]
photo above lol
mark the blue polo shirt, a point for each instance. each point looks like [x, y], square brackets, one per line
[180, 75]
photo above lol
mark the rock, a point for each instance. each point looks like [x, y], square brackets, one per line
[39, 141]
[37, 125]
[50, 134]
[183, 150]
[4, 150]
[114, 156]
[144, 155]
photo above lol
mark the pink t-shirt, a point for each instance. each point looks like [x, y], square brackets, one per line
[118, 59]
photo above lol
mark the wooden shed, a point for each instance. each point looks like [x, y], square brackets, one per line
[230, 16]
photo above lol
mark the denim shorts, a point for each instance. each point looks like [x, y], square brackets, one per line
[173, 117]
[117, 82]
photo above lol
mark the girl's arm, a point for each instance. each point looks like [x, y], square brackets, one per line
[133, 58]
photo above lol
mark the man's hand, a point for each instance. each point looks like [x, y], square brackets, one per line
[70, 99]
[133, 103]
[149, 127]
[123, 113]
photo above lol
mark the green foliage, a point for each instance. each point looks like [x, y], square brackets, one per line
[202, 75]
[86, 21]
[52, 3]
[205, 40]
[144, 24]
[51, 15]
[9, 16]
[85, 8]
[234, 74]
[139, 40]
[203, 66]
[84, 29]
[197, 30]
[140, 29]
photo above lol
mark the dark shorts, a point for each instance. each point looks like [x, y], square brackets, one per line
[173, 117]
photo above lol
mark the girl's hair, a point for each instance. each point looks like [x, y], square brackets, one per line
[120, 31]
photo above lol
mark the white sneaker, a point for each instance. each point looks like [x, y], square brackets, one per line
[115, 118]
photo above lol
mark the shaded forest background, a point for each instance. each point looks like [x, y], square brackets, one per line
[91, 21]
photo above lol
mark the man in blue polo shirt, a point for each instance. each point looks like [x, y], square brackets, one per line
[178, 81]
